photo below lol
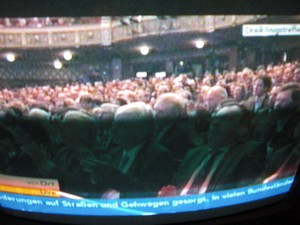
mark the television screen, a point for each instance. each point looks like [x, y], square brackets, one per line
[212, 129]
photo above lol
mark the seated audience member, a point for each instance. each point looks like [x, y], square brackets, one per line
[198, 118]
[284, 140]
[287, 74]
[8, 148]
[138, 166]
[172, 125]
[285, 162]
[86, 102]
[79, 133]
[286, 113]
[228, 161]
[29, 131]
[296, 77]
[214, 96]
[239, 93]
[104, 118]
[65, 164]
[262, 126]
[260, 98]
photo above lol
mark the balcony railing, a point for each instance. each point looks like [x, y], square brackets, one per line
[106, 33]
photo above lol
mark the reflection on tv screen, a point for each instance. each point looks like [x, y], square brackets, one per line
[186, 140]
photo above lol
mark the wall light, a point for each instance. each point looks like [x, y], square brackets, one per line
[68, 55]
[57, 64]
[144, 50]
[10, 57]
[200, 44]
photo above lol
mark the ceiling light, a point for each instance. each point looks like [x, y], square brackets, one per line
[10, 57]
[200, 44]
[144, 50]
[57, 64]
[68, 55]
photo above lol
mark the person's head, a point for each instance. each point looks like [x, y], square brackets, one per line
[214, 96]
[277, 76]
[239, 92]
[168, 108]
[287, 75]
[287, 99]
[162, 89]
[105, 113]
[39, 115]
[133, 124]
[78, 128]
[230, 124]
[296, 77]
[143, 95]
[86, 101]
[261, 85]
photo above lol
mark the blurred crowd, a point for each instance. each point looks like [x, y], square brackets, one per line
[149, 137]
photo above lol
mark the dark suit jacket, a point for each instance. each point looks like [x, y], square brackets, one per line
[240, 166]
[285, 136]
[152, 168]
[177, 139]
[250, 103]
[283, 161]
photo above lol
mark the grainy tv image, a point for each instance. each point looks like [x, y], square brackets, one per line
[149, 106]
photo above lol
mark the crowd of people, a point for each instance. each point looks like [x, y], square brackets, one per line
[178, 135]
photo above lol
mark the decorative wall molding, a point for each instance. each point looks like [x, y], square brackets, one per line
[105, 33]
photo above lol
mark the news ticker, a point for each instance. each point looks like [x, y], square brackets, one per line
[75, 205]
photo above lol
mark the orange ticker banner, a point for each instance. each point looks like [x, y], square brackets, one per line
[29, 186]
[29, 191]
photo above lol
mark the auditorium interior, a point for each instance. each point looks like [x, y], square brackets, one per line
[107, 48]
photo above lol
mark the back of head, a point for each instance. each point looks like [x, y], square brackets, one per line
[105, 112]
[214, 96]
[170, 107]
[230, 124]
[134, 112]
[76, 116]
[133, 124]
[39, 114]
[78, 127]
[287, 99]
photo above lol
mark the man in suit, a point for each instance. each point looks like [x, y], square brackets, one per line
[172, 130]
[228, 161]
[139, 166]
[260, 98]
[284, 141]
[214, 96]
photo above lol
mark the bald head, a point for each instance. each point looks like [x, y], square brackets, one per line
[39, 114]
[76, 116]
[133, 124]
[137, 111]
[169, 107]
